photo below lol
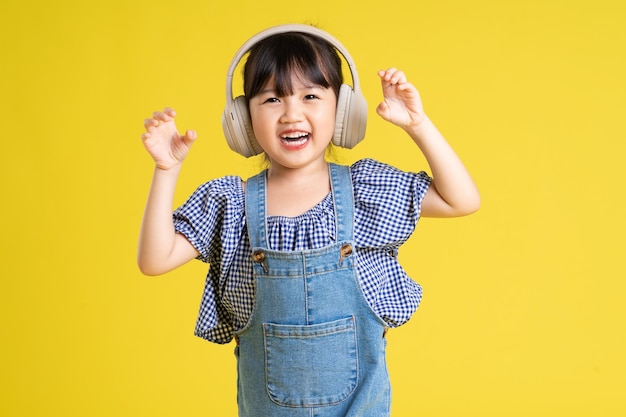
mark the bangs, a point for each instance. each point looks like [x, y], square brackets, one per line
[284, 57]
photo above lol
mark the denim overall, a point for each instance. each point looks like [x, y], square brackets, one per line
[313, 347]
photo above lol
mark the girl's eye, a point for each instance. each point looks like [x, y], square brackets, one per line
[310, 97]
[271, 100]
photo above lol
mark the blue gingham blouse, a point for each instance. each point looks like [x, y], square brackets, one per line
[387, 209]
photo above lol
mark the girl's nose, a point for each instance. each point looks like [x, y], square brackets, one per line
[292, 112]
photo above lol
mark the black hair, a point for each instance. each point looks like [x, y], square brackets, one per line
[280, 56]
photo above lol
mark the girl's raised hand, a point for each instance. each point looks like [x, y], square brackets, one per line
[167, 147]
[402, 104]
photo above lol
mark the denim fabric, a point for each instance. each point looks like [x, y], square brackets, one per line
[313, 346]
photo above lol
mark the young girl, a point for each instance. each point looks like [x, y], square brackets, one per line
[303, 256]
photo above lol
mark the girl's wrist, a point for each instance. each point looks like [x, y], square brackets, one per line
[418, 127]
[167, 170]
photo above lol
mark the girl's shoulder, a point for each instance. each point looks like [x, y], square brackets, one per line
[212, 214]
[230, 187]
[224, 194]
[370, 172]
[376, 183]
[387, 202]
[369, 166]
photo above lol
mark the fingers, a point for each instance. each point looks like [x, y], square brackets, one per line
[161, 117]
[190, 137]
[158, 117]
[395, 84]
[401, 103]
[166, 115]
[150, 123]
[392, 76]
[382, 109]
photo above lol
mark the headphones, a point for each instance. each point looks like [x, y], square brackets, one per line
[351, 116]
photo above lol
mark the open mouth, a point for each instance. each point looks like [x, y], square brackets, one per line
[296, 138]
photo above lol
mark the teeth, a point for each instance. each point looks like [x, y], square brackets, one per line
[293, 136]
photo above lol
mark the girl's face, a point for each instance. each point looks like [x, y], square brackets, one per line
[294, 130]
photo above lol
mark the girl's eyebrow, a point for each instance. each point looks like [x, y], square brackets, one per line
[304, 87]
[273, 91]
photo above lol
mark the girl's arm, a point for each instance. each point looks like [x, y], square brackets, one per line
[452, 192]
[161, 249]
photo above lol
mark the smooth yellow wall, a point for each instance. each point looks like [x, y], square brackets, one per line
[523, 312]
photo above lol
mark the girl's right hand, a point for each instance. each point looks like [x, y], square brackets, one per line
[165, 145]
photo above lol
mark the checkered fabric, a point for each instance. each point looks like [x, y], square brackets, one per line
[387, 209]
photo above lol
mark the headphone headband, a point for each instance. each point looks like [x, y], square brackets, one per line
[293, 27]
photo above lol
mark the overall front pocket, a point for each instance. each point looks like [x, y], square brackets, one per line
[313, 365]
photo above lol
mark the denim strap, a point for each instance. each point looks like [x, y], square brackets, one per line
[343, 198]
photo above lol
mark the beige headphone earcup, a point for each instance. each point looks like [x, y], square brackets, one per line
[343, 101]
[238, 130]
[350, 119]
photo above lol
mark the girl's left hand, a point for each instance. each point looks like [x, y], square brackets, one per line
[402, 104]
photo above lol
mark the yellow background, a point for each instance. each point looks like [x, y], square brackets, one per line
[524, 304]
